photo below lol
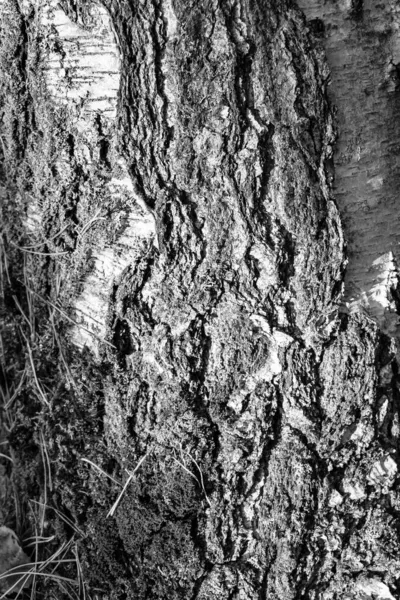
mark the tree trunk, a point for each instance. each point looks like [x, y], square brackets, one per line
[179, 164]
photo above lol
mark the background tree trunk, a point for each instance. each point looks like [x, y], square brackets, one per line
[181, 155]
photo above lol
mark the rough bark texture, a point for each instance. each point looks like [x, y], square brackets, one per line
[265, 411]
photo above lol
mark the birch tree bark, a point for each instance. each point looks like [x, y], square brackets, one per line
[182, 157]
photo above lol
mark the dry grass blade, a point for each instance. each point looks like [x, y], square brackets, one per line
[90, 223]
[6, 457]
[114, 507]
[29, 296]
[54, 559]
[21, 311]
[68, 318]
[45, 241]
[66, 520]
[35, 568]
[47, 479]
[199, 479]
[25, 575]
[87, 460]
[4, 396]
[81, 581]
[85, 314]
[60, 349]
[3, 261]
[9, 402]
[185, 469]
[2, 355]
[68, 592]
[201, 476]
[37, 540]
[37, 252]
[38, 386]
[46, 460]
[33, 588]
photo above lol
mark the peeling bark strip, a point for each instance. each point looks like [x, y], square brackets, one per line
[268, 418]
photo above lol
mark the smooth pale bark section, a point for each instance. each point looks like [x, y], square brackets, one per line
[362, 43]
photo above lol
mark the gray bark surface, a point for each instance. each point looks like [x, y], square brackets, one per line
[258, 413]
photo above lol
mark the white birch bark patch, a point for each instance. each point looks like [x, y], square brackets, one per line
[84, 62]
[366, 175]
[383, 471]
[82, 73]
[373, 588]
